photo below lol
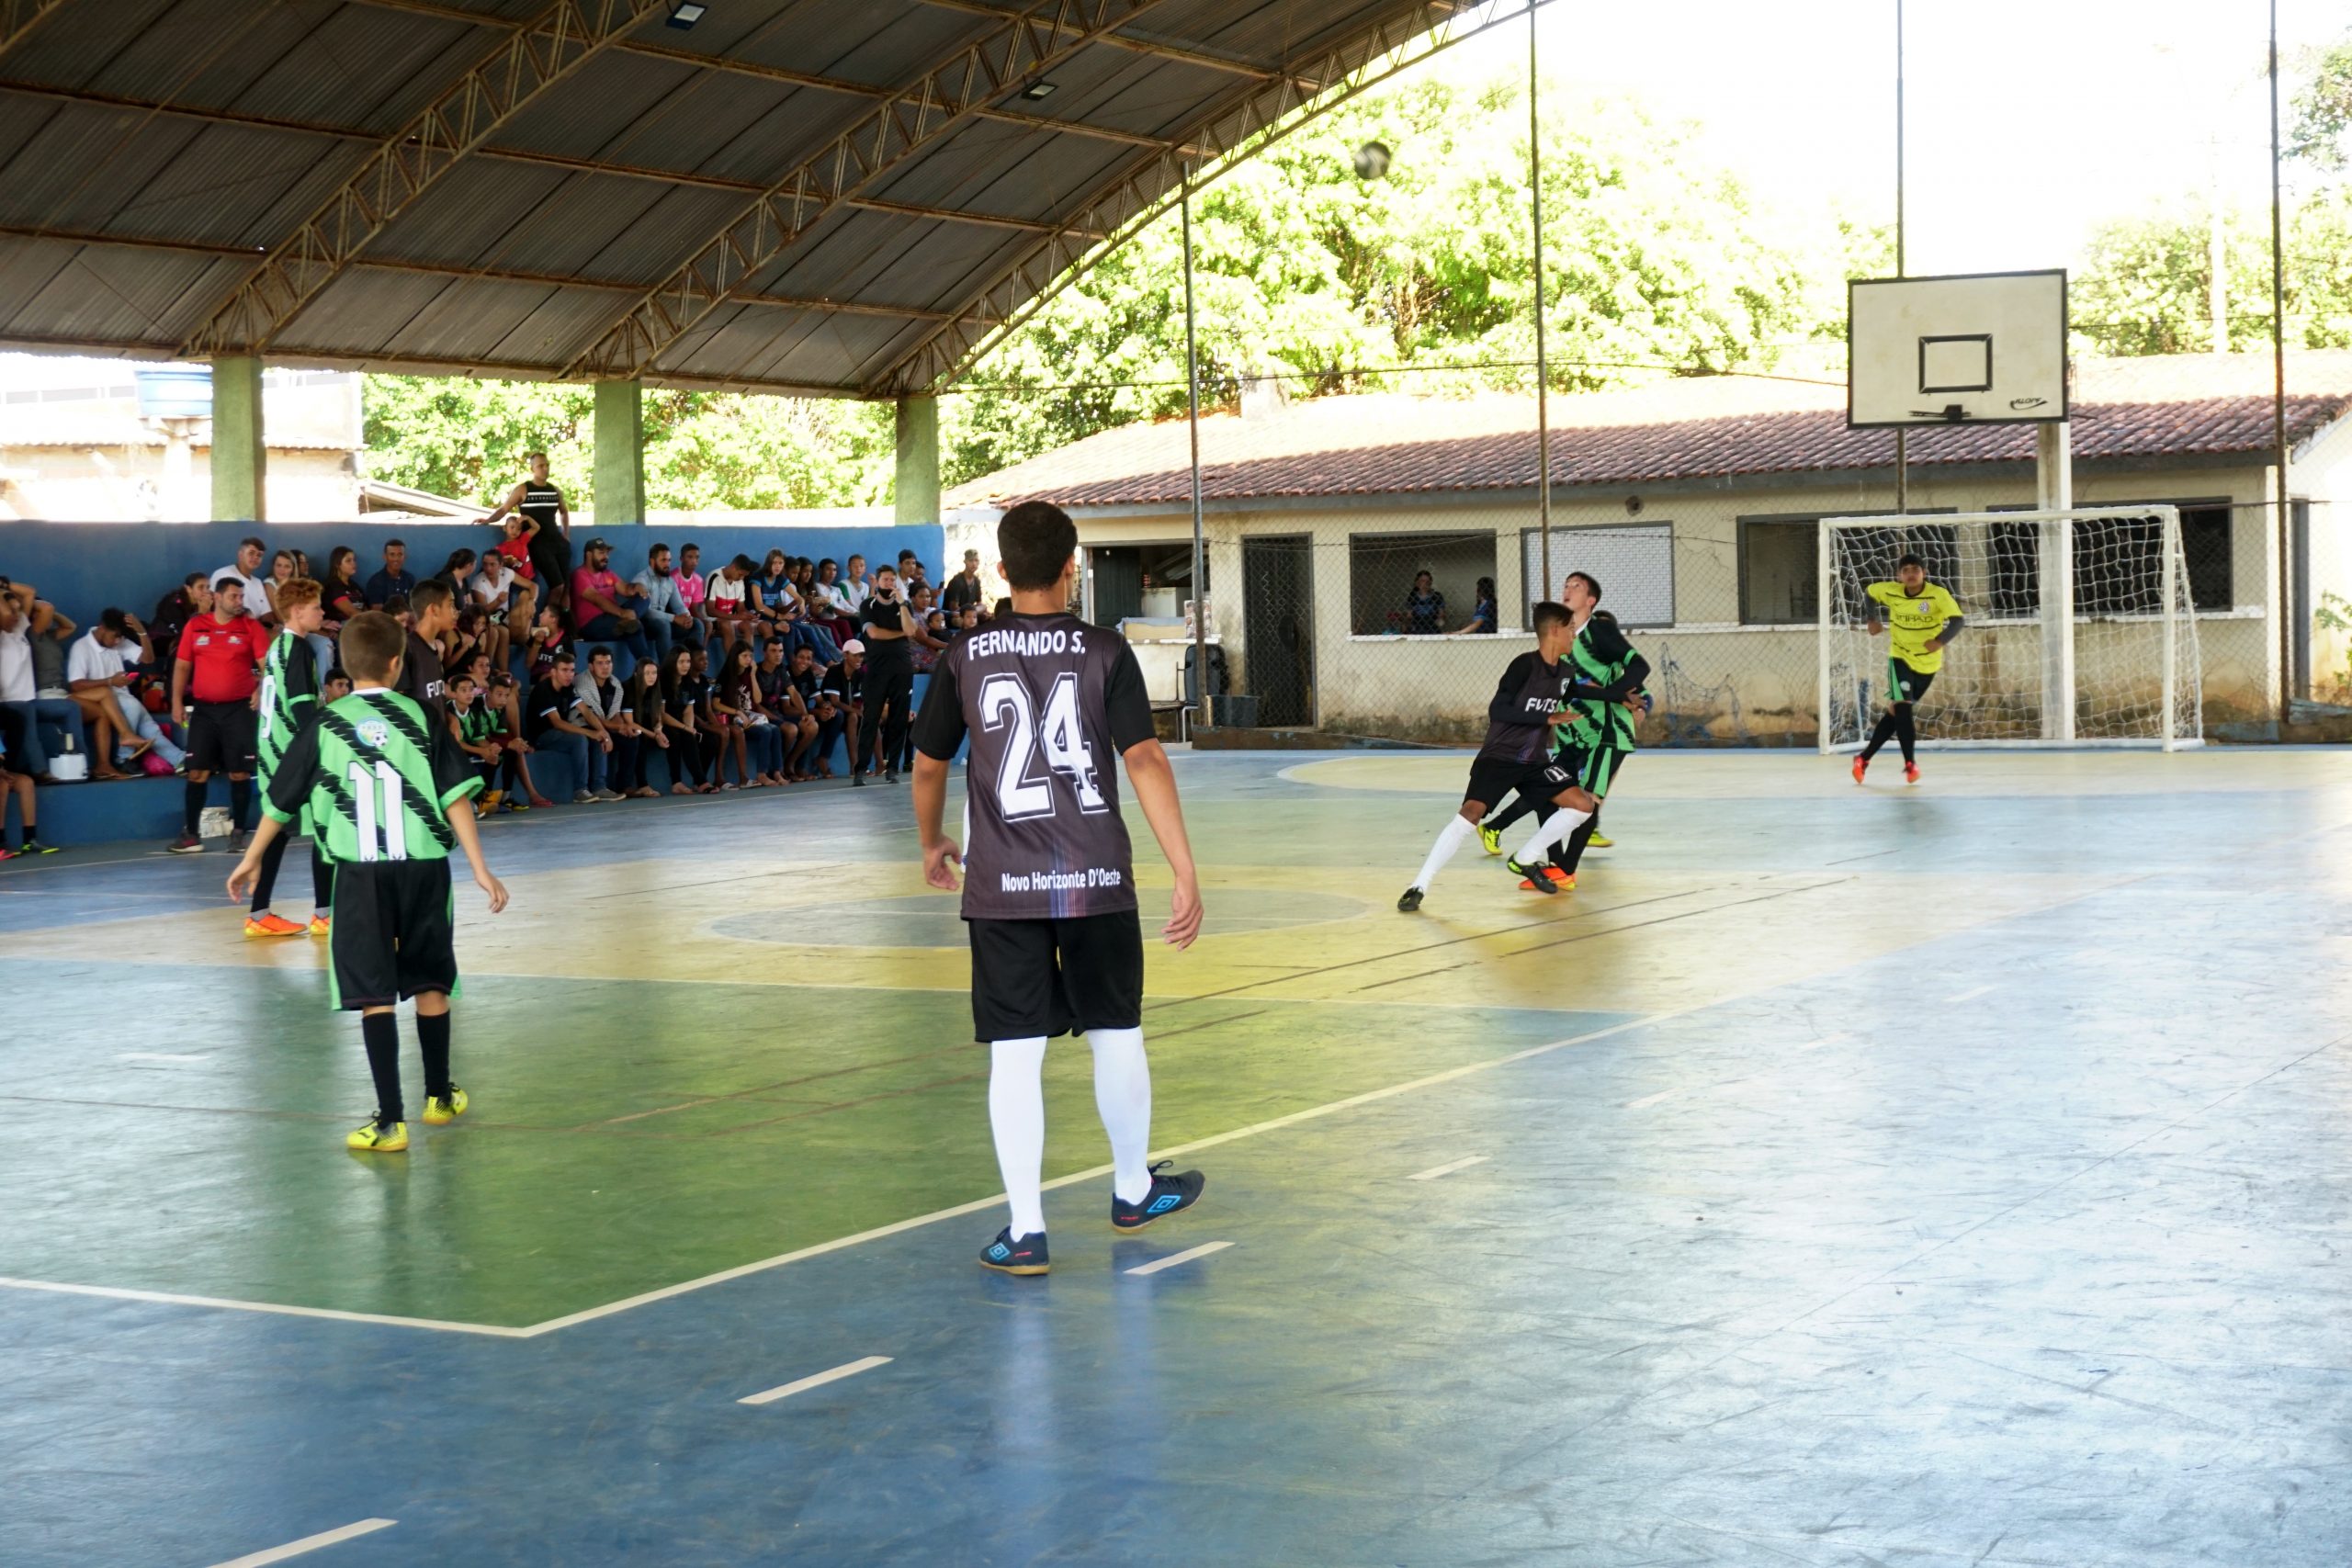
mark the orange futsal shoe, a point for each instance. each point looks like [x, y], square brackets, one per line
[1910, 773]
[267, 924]
[1860, 767]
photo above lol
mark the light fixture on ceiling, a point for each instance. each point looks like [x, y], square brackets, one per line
[685, 14]
[1037, 90]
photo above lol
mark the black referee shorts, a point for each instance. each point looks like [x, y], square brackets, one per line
[394, 932]
[221, 737]
[1050, 978]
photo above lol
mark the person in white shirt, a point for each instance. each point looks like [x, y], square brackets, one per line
[23, 616]
[725, 602]
[104, 658]
[492, 590]
[246, 568]
[857, 591]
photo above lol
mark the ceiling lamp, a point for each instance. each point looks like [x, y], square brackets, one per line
[685, 14]
[1037, 90]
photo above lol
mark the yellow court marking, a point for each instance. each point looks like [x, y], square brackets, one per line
[1783, 775]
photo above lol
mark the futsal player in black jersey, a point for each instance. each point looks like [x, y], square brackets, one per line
[1049, 703]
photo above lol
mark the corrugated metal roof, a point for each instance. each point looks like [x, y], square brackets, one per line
[152, 149]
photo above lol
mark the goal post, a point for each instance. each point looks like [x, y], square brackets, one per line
[2081, 630]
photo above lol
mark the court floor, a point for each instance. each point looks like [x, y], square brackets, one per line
[1945, 1176]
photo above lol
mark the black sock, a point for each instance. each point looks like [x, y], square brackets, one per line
[1905, 731]
[1567, 855]
[1520, 807]
[432, 1035]
[266, 882]
[1880, 736]
[240, 804]
[322, 883]
[192, 806]
[381, 1034]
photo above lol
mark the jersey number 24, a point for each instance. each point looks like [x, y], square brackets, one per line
[1059, 742]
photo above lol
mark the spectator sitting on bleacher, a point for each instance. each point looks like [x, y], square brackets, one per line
[282, 568]
[23, 616]
[544, 641]
[518, 793]
[246, 568]
[174, 611]
[727, 601]
[845, 686]
[691, 590]
[603, 705]
[107, 661]
[964, 588]
[552, 723]
[491, 595]
[112, 741]
[822, 722]
[393, 579]
[597, 613]
[641, 720]
[682, 718]
[668, 621]
[341, 591]
[475, 724]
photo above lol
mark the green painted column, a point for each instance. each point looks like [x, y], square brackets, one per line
[620, 454]
[918, 486]
[239, 444]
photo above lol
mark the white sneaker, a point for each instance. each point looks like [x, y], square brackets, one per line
[581, 797]
[608, 794]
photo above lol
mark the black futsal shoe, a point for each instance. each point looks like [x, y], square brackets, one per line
[1410, 902]
[1535, 881]
[1167, 1194]
[1007, 1256]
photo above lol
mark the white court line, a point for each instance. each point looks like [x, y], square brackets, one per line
[816, 1379]
[1435, 1171]
[1649, 1100]
[308, 1543]
[1969, 996]
[1184, 1257]
[157, 1056]
[978, 1205]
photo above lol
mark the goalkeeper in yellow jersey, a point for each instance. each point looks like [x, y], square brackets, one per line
[1920, 618]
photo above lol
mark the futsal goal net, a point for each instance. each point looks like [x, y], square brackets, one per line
[2079, 628]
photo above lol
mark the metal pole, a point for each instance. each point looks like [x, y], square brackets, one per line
[1902, 436]
[1543, 380]
[1206, 717]
[2278, 393]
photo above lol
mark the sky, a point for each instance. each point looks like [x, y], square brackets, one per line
[2027, 120]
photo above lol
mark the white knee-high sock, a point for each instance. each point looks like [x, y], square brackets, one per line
[1123, 1095]
[1556, 829]
[1017, 1116]
[1455, 834]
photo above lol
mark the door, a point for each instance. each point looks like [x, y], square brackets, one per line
[1278, 628]
[1117, 572]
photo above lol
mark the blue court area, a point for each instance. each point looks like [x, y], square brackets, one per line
[1945, 1176]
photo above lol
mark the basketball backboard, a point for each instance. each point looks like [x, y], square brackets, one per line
[1985, 348]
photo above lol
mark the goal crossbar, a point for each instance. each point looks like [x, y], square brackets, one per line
[2079, 628]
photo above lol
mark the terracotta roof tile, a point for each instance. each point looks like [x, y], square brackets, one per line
[1718, 428]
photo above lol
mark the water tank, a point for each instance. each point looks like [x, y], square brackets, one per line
[174, 391]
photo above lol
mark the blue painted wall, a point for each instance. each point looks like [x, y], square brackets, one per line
[82, 567]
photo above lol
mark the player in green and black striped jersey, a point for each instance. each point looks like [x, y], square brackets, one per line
[389, 795]
[287, 701]
[1604, 694]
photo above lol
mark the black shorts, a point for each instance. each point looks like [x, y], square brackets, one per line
[1493, 778]
[1905, 684]
[393, 933]
[221, 737]
[1049, 978]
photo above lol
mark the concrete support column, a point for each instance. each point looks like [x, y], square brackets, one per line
[239, 444]
[918, 483]
[620, 455]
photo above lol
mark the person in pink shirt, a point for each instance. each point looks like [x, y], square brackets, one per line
[597, 613]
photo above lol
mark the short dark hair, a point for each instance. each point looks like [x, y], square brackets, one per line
[1035, 540]
[250, 540]
[337, 674]
[431, 594]
[1910, 561]
[394, 603]
[690, 545]
[465, 675]
[534, 457]
[562, 655]
[655, 548]
[193, 577]
[1591, 583]
[743, 563]
[600, 651]
[115, 621]
[826, 562]
[371, 642]
[390, 543]
[1549, 614]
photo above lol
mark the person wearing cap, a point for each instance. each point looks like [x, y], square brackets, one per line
[843, 686]
[597, 613]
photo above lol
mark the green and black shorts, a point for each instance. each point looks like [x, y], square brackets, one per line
[1594, 766]
[1905, 684]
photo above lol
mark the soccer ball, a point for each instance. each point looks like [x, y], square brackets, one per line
[1372, 159]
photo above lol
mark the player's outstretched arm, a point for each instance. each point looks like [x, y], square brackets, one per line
[940, 857]
[461, 822]
[1155, 785]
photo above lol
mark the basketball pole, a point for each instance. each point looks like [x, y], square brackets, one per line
[1902, 436]
[1206, 718]
[2278, 398]
[1543, 380]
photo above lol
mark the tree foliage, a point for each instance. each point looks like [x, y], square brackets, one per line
[2144, 288]
[2322, 133]
[1652, 259]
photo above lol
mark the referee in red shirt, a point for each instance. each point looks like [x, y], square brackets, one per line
[217, 665]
